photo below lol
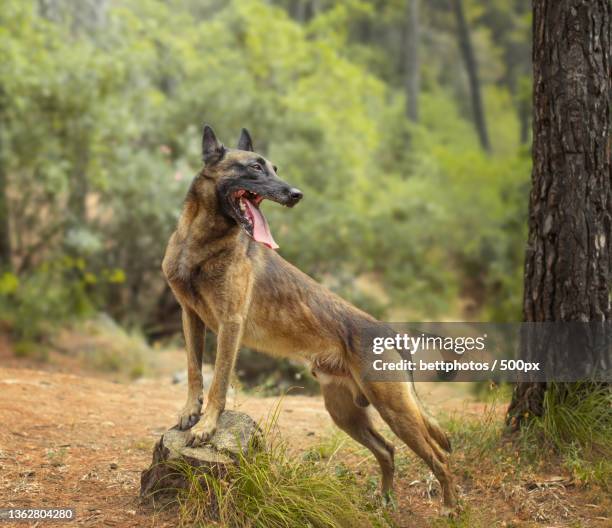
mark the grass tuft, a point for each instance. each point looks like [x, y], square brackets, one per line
[464, 519]
[478, 437]
[577, 414]
[577, 424]
[274, 489]
[327, 448]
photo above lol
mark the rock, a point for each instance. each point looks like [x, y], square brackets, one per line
[180, 376]
[236, 432]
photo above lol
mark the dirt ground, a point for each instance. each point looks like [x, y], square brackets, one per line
[80, 440]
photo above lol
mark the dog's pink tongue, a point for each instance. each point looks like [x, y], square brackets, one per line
[261, 229]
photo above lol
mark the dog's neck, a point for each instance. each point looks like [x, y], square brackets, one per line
[202, 219]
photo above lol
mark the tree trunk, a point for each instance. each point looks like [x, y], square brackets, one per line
[303, 10]
[412, 74]
[79, 188]
[5, 239]
[471, 65]
[568, 256]
[523, 116]
[5, 233]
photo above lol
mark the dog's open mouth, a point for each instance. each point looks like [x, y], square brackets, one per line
[252, 219]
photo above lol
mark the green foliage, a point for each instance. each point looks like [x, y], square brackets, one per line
[102, 122]
[54, 292]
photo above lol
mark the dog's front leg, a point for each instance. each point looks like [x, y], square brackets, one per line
[228, 342]
[193, 329]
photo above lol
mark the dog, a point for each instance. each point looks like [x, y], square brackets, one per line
[223, 269]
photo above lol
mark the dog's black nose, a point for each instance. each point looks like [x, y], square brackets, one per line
[295, 195]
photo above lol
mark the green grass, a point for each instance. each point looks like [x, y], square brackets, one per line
[577, 424]
[271, 488]
[477, 437]
[577, 413]
[277, 488]
[487, 392]
[327, 448]
[576, 427]
[464, 519]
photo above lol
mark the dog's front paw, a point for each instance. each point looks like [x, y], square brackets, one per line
[204, 430]
[189, 416]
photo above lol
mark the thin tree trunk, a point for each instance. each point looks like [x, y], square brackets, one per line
[304, 10]
[523, 115]
[5, 238]
[471, 65]
[79, 186]
[568, 257]
[412, 73]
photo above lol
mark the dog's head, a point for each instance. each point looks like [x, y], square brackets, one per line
[243, 179]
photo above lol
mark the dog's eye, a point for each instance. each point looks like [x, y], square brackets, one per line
[257, 167]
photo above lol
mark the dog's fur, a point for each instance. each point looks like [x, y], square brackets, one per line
[249, 295]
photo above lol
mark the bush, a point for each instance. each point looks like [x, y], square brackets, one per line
[33, 305]
[103, 345]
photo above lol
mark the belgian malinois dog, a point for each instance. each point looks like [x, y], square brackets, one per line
[222, 266]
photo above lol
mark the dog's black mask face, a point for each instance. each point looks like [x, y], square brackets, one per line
[243, 180]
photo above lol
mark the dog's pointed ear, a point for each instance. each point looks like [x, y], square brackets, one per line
[212, 150]
[245, 142]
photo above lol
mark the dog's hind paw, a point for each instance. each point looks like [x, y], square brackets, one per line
[452, 512]
[388, 500]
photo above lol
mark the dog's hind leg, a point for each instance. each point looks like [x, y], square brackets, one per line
[355, 421]
[398, 406]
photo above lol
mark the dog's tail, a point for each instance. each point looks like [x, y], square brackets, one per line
[432, 425]
[436, 431]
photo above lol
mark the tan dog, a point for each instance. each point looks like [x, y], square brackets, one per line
[221, 265]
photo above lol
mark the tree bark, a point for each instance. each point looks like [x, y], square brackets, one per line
[5, 240]
[523, 116]
[79, 185]
[471, 65]
[412, 73]
[303, 10]
[5, 233]
[568, 256]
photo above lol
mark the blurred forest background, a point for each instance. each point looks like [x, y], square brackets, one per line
[406, 123]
